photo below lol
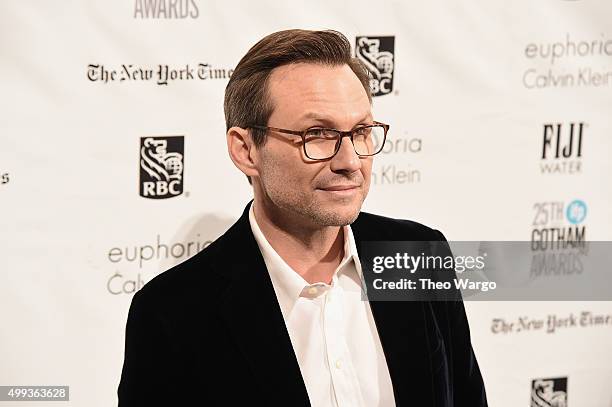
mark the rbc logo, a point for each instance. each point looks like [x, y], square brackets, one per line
[376, 53]
[161, 167]
[549, 392]
[576, 212]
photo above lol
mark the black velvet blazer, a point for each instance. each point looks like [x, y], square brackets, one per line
[210, 332]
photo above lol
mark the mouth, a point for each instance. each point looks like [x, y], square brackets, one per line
[341, 190]
[335, 188]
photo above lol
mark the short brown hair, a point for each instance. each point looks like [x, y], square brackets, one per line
[247, 101]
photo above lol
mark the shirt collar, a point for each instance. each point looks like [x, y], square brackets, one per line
[288, 284]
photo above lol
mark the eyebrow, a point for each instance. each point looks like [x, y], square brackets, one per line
[328, 120]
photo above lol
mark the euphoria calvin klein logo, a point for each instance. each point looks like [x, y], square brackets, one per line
[161, 167]
[377, 55]
[549, 392]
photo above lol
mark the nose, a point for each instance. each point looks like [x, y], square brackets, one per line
[346, 159]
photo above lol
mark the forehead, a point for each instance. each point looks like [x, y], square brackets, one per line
[305, 90]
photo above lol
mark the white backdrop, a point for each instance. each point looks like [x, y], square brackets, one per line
[474, 86]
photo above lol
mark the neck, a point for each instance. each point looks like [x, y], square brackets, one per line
[314, 252]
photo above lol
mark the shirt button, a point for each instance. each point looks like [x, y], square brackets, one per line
[312, 290]
[338, 364]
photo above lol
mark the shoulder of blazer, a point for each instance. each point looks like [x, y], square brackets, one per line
[368, 226]
[187, 286]
[207, 274]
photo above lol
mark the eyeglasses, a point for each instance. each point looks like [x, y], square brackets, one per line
[321, 143]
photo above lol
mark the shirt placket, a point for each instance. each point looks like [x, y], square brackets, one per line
[341, 370]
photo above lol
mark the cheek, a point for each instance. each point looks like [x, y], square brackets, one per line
[301, 176]
[366, 172]
[285, 170]
[366, 168]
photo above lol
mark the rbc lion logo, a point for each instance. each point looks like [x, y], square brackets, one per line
[161, 167]
[376, 53]
[549, 392]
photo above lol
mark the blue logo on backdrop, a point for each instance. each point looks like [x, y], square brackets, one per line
[576, 212]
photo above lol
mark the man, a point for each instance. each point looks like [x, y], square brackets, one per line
[271, 313]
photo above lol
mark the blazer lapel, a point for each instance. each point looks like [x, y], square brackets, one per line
[254, 319]
[403, 333]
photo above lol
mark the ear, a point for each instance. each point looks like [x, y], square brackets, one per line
[242, 150]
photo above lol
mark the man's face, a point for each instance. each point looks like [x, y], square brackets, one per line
[315, 193]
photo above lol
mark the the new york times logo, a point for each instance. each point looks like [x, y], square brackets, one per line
[161, 166]
[167, 9]
[549, 392]
[377, 55]
[4, 178]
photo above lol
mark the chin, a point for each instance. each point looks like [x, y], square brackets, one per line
[342, 217]
[349, 220]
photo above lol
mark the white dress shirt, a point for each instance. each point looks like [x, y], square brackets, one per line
[332, 330]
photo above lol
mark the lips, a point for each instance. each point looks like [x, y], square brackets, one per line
[340, 187]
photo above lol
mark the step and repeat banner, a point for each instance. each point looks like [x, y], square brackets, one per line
[113, 164]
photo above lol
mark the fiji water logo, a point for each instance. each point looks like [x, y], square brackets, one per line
[562, 148]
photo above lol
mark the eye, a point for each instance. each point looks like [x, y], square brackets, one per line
[315, 132]
[363, 131]
[321, 134]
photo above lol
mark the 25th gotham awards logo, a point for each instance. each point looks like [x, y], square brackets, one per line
[377, 54]
[562, 148]
[557, 224]
[167, 9]
[161, 166]
[549, 392]
[558, 238]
